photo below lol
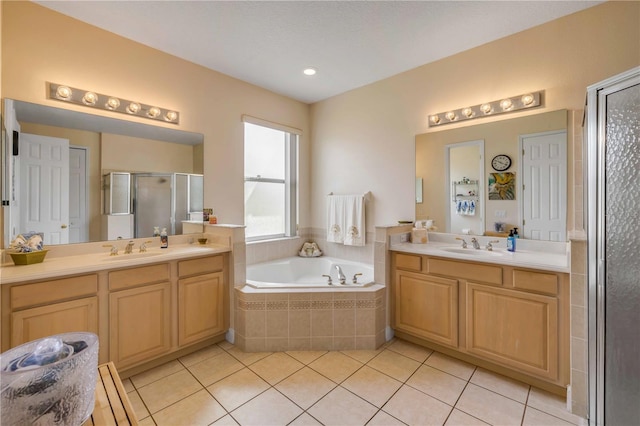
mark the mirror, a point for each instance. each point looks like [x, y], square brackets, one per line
[112, 167]
[508, 137]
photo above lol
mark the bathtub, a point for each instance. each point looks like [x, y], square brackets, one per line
[307, 272]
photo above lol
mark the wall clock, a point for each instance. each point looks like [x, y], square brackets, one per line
[501, 162]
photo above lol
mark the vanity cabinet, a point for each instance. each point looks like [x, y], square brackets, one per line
[52, 307]
[514, 318]
[201, 295]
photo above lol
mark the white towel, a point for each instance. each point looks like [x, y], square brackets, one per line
[346, 220]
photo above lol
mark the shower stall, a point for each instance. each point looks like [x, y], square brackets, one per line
[613, 165]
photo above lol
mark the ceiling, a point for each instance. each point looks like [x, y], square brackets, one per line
[350, 43]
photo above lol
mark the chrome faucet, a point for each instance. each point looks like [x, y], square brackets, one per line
[490, 244]
[143, 246]
[464, 243]
[355, 277]
[328, 277]
[341, 276]
[476, 244]
[114, 249]
[129, 248]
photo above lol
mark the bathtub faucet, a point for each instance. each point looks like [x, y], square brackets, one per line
[341, 277]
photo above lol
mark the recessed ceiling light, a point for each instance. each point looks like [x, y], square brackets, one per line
[309, 71]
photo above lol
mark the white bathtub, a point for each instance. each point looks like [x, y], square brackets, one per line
[307, 272]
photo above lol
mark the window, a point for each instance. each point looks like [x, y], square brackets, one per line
[270, 190]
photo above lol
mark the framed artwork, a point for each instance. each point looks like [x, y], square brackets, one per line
[502, 186]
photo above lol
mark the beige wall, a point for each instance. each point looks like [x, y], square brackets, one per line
[364, 139]
[135, 155]
[59, 49]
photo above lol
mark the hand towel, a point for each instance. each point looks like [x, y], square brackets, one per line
[354, 220]
[335, 219]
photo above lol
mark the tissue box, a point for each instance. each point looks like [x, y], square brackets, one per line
[28, 258]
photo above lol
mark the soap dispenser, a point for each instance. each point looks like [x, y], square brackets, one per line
[515, 233]
[511, 241]
[164, 238]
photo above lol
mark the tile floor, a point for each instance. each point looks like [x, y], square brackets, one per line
[398, 384]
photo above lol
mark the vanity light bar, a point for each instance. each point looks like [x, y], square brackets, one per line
[502, 106]
[91, 99]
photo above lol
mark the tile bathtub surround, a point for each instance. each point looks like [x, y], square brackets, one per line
[310, 320]
[397, 384]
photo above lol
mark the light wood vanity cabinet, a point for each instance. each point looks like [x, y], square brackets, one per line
[513, 317]
[201, 295]
[52, 307]
[139, 314]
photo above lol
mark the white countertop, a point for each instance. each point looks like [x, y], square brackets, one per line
[547, 257]
[86, 263]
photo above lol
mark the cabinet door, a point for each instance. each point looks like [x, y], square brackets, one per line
[140, 324]
[64, 317]
[514, 328]
[200, 307]
[427, 306]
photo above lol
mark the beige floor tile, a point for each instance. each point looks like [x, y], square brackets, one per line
[533, 417]
[238, 388]
[438, 384]
[363, 356]
[215, 368]
[306, 357]
[147, 422]
[395, 365]
[201, 355]
[128, 385]
[305, 419]
[451, 365]
[156, 373]
[276, 367]
[225, 345]
[410, 350]
[458, 418]
[225, 421]
[305, 387]
[498, 383]
[384, 419]
[197, 409]
[168, 390]
[268, 408]
[372, 386]
[335, 366]
[341, 407]
[416, 408]
[137, 404]
[552, 404]
[247, 358]
[490, 407]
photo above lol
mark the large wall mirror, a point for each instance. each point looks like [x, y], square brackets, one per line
[80, 177]
[462, 192]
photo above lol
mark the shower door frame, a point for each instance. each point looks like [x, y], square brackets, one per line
[595, 196]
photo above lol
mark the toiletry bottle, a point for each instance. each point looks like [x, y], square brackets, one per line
[164, 239]
[511, 241]
[213, 219]
[515, 233]
[419, 234]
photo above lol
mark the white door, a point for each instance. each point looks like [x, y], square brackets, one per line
[78, 223]
[544, 191]
[44, 187]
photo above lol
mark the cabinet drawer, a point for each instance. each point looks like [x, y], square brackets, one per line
[132, 277]
[535, 281]
[53, 291]
[469, 271]
[203, 265]
[409, 262]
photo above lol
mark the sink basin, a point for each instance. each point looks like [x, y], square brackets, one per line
[131, 256]
[471, 252]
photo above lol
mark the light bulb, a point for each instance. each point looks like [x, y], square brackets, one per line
[133, 108]
[527, 99]
[486, 108]
[90, 98]
[309, 71]
[64, 93]
[171, 116]
[506, 104]
[435, 119]
[112, 103]
[154, 112]
[450, 115]
[467, 112]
